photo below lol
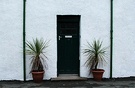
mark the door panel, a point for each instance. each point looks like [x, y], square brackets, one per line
[68, 44]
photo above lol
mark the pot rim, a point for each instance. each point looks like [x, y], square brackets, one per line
[98, 70]
[37, 72]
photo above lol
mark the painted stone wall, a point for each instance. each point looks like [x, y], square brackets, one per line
[95, 24]
[124, 38]
[41, 21]
[11, 42]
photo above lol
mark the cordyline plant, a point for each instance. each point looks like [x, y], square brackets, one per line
[95, 54]
[36, 50]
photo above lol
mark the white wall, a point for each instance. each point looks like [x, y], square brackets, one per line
[41, 22]
[95, 24]
[11, 46]
[124, 38]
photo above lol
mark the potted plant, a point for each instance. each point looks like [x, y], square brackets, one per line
[95, 55]
[36, 50]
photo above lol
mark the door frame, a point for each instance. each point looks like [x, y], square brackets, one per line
[78, 38]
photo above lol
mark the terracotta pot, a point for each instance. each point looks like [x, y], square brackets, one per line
[98, 74]
[38, 76]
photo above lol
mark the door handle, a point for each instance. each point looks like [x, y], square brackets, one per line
[60, 37]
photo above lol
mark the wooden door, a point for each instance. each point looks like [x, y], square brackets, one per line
[68, 44]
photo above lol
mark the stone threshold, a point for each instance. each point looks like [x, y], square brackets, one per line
[68, 77]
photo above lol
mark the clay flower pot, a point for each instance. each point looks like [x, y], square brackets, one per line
[38, 76]
[98, 74]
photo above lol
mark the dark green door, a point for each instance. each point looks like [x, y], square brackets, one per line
[68, 44]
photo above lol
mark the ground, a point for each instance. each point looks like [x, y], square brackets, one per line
[90, 83]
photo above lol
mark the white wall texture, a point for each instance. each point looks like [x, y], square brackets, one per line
[41, 22]
[124, 38]
[11, 58]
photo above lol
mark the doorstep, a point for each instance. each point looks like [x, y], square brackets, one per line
[68, 77]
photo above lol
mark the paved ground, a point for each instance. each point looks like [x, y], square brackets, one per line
[106, 83]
